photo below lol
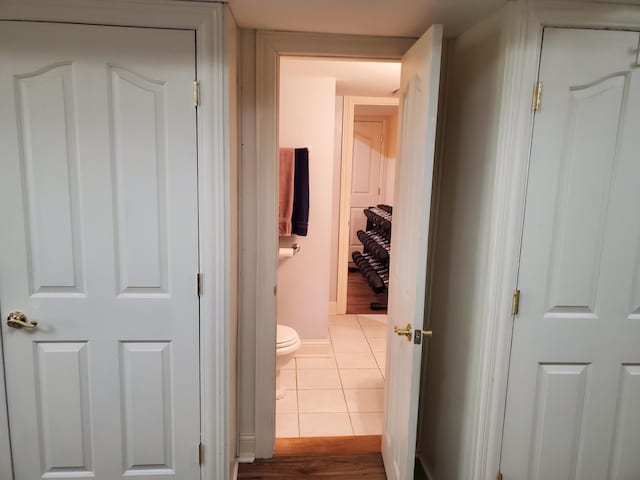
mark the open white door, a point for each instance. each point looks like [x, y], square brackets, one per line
[412, 207]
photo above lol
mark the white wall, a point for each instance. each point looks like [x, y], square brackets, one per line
[247, 248]
[307, 117]
[335, 212]
[390, 174]
[232, 39]
[449, 395]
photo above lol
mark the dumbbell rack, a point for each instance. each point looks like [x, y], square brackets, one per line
[373, 262]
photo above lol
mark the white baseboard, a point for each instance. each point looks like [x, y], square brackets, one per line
[314, 348]
[333, 308]
[247, 448]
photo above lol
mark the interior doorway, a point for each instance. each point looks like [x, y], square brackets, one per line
[369, 141]
[332, 385]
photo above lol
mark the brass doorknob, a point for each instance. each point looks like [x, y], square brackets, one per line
[406, 331]
[19, 320]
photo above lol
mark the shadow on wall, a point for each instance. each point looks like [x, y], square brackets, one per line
[468, 164]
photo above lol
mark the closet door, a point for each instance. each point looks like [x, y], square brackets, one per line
[99, 251]
[574, 383]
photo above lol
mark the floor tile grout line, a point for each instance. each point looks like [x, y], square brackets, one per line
[344, 397]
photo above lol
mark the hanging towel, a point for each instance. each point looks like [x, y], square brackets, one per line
[285, 207]
[300, 216]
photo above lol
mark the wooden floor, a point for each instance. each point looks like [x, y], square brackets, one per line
[344, 467]
[360, 295]
[348, 458]
[343, 445]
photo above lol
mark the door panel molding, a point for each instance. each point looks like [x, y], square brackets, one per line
[54, 249]
[214, 32]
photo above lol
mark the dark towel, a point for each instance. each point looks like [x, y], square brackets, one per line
[300, 216]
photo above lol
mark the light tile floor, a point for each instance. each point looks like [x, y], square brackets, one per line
[338, 395]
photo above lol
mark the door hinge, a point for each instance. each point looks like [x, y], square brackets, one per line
[537, 96]
[196, 93]
[199, 284]
[201, 454]
[515, 303]
[499, 476]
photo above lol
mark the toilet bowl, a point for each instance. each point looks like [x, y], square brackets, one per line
[287, 344]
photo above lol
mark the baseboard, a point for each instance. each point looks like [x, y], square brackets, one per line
[234, 471]
[314, 348]
[333, 308]
[247, 448]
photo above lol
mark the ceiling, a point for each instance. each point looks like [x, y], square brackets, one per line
[400, 18]
[353, 77]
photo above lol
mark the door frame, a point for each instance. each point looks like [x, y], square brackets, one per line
[216, 152]
[524, 24]
[270, 46]
[346, 170]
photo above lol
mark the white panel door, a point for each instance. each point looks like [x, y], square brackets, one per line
[420, 81]
[574, 383]
[365, 176]
[100, 246]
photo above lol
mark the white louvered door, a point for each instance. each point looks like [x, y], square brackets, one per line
[574, 383]
[99, 245]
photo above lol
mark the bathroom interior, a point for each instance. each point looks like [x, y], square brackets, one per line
[335, 230]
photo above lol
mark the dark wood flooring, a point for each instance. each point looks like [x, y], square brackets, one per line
[349, 458]
[344, 467]
[360, 295]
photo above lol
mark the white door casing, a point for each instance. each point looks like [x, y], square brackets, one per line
[408, 269]
[365, 177]
[100, 161]
[574, 380]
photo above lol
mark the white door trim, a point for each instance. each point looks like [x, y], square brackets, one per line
[523, 37]
[348, 117]
[208, 21]
[270, 46]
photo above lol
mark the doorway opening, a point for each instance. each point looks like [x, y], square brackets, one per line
[369, 141]
[330, 388]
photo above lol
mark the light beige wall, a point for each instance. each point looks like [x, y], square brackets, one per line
[390, 174]
[449, 394]
[232, 45]
[307, 117]
[335, 209]
[247, 204]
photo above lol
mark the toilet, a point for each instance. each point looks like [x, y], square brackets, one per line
[287, 344]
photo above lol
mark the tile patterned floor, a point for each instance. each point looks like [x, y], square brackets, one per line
[338, 395]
